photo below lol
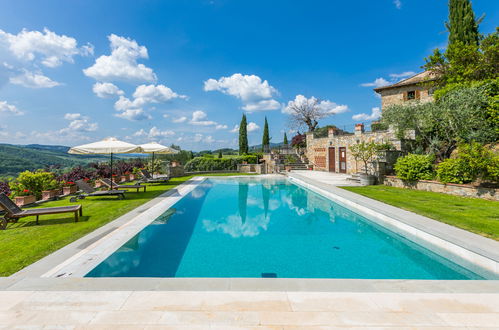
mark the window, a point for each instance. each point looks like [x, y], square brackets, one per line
[411, 95]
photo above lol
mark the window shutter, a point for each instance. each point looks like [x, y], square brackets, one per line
[418, 95]
[405, 96]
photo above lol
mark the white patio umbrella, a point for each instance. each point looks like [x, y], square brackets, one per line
[156, 148]
[107, 146]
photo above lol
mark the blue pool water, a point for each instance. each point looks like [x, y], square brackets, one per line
[253, 227]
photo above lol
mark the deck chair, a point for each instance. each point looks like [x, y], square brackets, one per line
[113, 185]
[91, 192]
[13, 212]
[148, 178]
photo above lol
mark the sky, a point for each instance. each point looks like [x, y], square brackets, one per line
[184, 71]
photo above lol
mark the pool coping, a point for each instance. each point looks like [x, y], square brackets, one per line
[30, 278]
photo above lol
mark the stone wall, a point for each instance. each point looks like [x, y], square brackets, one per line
[396, 95]
[318, 149]
[251, 168]
[464, 190]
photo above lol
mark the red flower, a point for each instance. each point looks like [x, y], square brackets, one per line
[70, 182]
[25, 190]
[86, 179]
[114, 174]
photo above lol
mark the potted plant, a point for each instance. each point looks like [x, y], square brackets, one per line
[289, 161]
[69, 187]
[22, 195]
[365, 151]
[50, 188]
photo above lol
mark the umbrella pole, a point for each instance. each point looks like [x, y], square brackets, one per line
[152, 166]
[112, 170]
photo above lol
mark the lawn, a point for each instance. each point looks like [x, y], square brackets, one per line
[473, 214]
[25, 242]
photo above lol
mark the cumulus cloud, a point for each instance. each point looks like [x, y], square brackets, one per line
[9, 109]
[106, 90]
[256, 94]
[154, 132]
[378, 82]
[402, 75]
[398, 4]
[220, 126]
[180, 120]
[134, 115]
[144, 95]
[33, 80]
[327, 107]
[375, 115]
[122, 64]
[250, 127]
[198, 118]
[51, 49]
[78, 123]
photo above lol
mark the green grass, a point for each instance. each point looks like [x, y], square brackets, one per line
[24, 242]
[477, 215]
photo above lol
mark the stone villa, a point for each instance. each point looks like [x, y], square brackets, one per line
[332, 153]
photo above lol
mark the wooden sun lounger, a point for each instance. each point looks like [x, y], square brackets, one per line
[112, 185]
[148, 178]
[13, 212]
[91, 192]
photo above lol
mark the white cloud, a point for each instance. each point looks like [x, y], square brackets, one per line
[262, 105]
[378, 82]
[78, 123]
[252, 127]
[122, 64]
[144, 95]
[198, 119]
[250, 89]
[33, 80]
[133, 115]
[398, 4]
[220, 126]
[9, 108]
[179, 120]
[106, 90]
[327, 107]
[154, 132]
[375, 115]
[402, 75]
[51, 47]
[209, 139]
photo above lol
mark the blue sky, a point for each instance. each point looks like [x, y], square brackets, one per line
[183, 72]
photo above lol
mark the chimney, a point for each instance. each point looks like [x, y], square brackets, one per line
[359, 129]
[331, 131]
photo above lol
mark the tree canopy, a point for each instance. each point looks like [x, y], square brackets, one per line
[243, 136]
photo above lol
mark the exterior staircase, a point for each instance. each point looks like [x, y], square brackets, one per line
[354, 178]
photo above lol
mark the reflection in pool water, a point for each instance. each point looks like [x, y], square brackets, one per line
[253, 227]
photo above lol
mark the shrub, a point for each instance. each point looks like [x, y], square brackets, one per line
[202, 164]
[493, 169]
[415, 167]
[33, 183]
[453, 170]
[299, 141]
[5, 188]
[80, 173]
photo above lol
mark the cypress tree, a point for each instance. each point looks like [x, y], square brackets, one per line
[462, 25]
[285, 139]
[220, 154]
[265, 138]
[243, 136]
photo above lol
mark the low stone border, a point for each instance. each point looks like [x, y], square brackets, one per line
[464, 190]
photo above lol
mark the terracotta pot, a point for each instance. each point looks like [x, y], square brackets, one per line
[288, 168]
[98, 184]
[123, 178]
[68, 190]
[48, 194]
[132, 177]
[24, 200]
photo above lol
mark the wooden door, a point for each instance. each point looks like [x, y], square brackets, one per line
[343, 160]
[332, 159]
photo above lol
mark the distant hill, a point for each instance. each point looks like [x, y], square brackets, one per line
[17, 158]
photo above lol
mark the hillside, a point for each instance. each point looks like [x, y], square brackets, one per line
[15, 159]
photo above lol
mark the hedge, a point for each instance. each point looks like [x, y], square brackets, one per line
[202, 164]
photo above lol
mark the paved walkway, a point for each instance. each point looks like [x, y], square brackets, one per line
[334, 179]
[254, 310]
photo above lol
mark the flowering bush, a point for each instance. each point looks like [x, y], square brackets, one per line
[5, 188]
[33, 183]
[77, 173]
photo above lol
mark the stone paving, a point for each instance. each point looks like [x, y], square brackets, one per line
[333, 179]
[251, 310]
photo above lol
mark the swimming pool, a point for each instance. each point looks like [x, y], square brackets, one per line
[270, 227]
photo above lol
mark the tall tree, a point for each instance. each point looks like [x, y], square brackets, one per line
[243, 136]
[285, 139]
[462, 25]
[266, 137]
